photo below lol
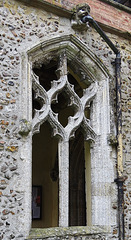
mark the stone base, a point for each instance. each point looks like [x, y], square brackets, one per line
[71, 233]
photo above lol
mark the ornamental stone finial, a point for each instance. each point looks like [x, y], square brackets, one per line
[80, 11]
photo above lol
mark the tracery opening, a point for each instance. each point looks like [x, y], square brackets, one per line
[77, 186]
[60, 99]
[45, 175]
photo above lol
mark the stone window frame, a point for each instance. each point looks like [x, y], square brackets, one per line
[102, 174]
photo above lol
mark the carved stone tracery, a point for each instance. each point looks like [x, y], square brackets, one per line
[80, 60]
[65, 133]
[47, 97]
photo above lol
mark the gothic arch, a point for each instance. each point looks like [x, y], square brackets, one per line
[77, 52]
[92, 73]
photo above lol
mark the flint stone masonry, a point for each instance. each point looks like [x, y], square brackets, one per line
[22, 27]
[102, 11]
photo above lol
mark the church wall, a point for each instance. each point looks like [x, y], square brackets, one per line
[22, 27]
[102, 11]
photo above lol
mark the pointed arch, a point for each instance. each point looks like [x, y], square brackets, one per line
[92, 75]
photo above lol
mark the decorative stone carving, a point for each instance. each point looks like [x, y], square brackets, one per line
[46, 113]
[80, 11]
[24, 127]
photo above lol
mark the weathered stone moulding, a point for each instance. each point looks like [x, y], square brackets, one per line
[70, 233]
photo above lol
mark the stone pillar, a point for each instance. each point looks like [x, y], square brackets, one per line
[63, 183]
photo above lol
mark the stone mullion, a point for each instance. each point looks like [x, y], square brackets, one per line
[63, 147]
